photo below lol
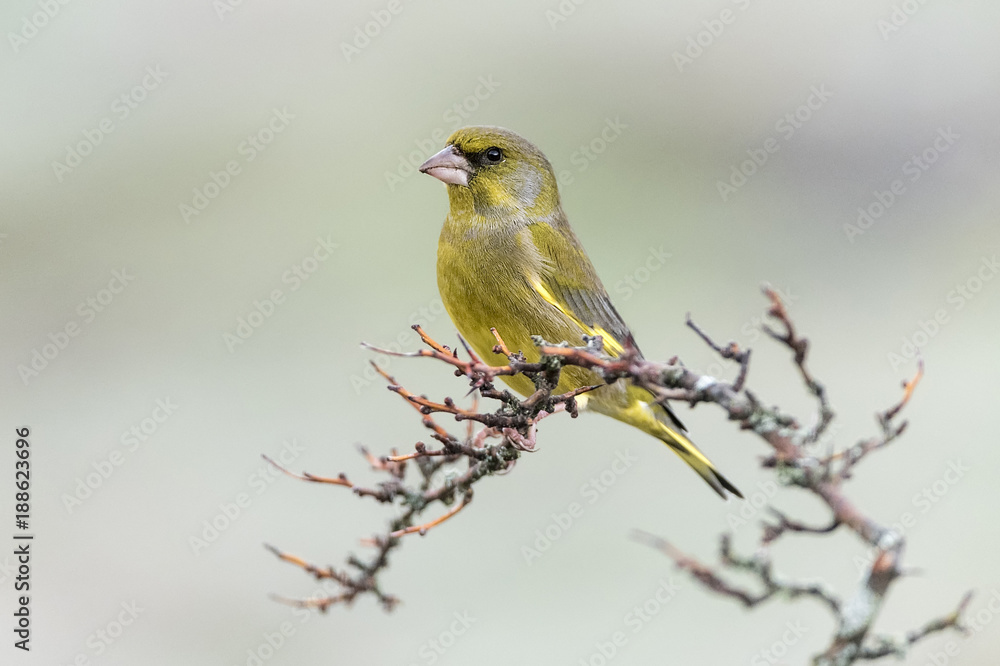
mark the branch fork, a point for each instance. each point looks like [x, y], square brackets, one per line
[492, 440]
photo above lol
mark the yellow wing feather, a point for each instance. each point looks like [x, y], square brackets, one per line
[639, 408]
[611, 344]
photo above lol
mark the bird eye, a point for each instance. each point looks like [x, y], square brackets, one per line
[494, 154]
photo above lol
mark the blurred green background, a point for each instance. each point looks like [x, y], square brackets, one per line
[119, 115]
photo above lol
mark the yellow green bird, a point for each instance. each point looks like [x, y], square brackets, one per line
[507, 258]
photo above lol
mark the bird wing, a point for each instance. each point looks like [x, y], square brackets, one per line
[567, 281]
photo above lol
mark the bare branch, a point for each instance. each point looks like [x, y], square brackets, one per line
[732, 352]
[494, 438]
[800, 346]
[422, 529]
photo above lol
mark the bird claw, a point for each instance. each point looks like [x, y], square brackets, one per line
[519, 441]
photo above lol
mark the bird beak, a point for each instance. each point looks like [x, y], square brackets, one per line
[449, 166]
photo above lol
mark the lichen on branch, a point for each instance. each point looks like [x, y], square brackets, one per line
[494, 438]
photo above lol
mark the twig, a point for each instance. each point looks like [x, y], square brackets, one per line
[732, 352]
[800, 347]
[306, 476]
[422, 529]
[492, 440]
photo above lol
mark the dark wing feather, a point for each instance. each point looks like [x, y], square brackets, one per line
[594, 309]
[570, 279]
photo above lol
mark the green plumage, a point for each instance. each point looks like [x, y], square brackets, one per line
[507, 258]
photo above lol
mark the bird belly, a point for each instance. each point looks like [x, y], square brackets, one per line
[481, 295]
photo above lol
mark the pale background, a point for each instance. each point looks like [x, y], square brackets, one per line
[324, 176]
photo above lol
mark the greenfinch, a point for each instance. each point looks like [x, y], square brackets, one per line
[507, 258]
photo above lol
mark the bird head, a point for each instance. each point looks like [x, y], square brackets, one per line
[495, 173]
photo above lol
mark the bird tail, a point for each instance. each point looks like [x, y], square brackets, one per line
[652, 418]
[690, 454]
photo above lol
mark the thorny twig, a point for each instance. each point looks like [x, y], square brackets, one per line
[503, 434]
[513, 424]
